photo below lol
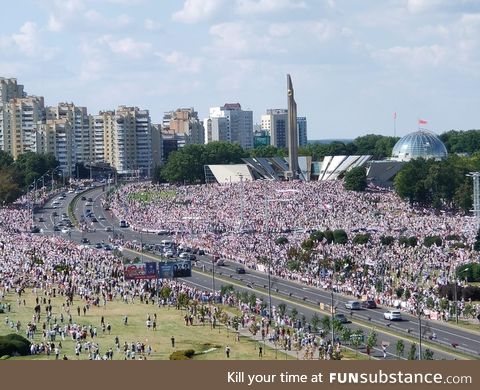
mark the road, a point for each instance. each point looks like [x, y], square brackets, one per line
[306, 299]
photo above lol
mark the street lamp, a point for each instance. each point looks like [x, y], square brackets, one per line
[456, 295]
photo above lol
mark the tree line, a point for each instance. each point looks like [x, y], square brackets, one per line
[17, 176]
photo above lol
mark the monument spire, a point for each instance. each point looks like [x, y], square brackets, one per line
[292, 132]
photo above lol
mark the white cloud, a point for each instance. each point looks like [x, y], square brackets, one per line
[62, 12]
[194, 11]
[151, 25]
[28, 42]
[263, 6]
[97, 18]
[181, 61]
[126, 46]
[417, 6]
[414, 58]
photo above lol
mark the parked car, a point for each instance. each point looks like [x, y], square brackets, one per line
[369, 304]
[123, 224]
[220, 262]
[108, 229]
[184, 255]
[65, 230]
[83, 198]
[85, 240]
[56, 228]
[88, 204]
[393, 315]
[341, 318]
[240, 270]
[34, 229]
[353, 305]
[98, 245]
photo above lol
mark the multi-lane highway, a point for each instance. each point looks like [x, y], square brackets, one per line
[450, 340]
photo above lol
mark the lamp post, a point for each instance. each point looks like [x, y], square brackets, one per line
[456, 295]
[332, 302]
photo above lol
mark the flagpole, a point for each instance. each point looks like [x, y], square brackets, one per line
[395, 125]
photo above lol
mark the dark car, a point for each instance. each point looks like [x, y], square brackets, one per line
[201, 252]
[93, 219]
[98, 245]
[83, 198]
[55, 214]
[240, 270]
[341, 318]
[34, 229]
[56, 228]
[89, 200]
[41, 219]
[85, 240]
[369, 304]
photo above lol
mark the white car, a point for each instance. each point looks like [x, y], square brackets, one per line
[393, 315]
[87, 204]
[65, 230]
[184, 255]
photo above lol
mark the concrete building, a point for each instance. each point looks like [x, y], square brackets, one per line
[19, 118]
[157, 145]
[83, 142]
[132, 141]
[239, 125]
[216, 129]
[55, 136]
[102, 130]
[10, 89]
[275, 123]
[302, 131]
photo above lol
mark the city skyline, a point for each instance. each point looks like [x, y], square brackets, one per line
[353, 65]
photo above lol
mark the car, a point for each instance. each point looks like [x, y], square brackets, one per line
[108, 247]
[56, 228]
[353, 305]
[55, 214]
[65, 230]
[192, 257]
[169, 253]
[163, 232]
[240, 270]
[61, 223]
[85, 240]
[34, 229]
[369, 304]
[220, 262]
[341, 318]
[123, 224]
[41, 219]
[106, 208]
[108, 229]
[69, 224]
[89, 199]
[70, 191]
[83, 198]
[88, 204]
[184, 255]
[201, 252]
[55, 204]
[101, 218]
[98, 245]
[93, 219]
[393, 315]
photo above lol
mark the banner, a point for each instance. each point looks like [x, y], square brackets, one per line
[174, 269]
[140, 271]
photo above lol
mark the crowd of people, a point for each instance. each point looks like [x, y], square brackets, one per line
[242, 222]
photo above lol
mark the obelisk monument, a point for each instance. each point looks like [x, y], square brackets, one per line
[292, 132]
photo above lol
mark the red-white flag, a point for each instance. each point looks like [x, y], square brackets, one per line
[422, 122]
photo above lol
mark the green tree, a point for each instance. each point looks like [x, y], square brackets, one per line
[6, 160]
[412, 352]
[268, 151]
[340, 236]
[400, 346]
[356, 179]
[281, 309]
[428, 354]
[9, 187]
[372, 339]
[315, 322]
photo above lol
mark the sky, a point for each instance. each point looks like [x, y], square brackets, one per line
[353, 63]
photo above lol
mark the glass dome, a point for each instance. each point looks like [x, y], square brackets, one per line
[419, 144]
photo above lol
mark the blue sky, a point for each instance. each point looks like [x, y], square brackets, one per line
[353, 63]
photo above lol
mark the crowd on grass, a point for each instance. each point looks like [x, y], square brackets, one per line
[53, 269]
[244, 221]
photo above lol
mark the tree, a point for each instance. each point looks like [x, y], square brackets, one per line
[400, 348]
[476, 245]
[315, 322]
[340, 236]
[294, 314]
[356, 179]
[268, 151]
[372, 339]
[9, 187]
[428, 354]
[412, 352]
[6, 160]
[281, 309]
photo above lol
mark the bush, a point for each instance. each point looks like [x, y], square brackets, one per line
[452, 237]
[428, 241]
[403, 241]
[387, 240]
[470, 292]
[14, 344]
[361, 239]
[340, 236]
[328, 235]
[317, 236]
[186, 354]
[356, 179]
[471, 271]
[282, 240]
[5, 357]
[412, 241]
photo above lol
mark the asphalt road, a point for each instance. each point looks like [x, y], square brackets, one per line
[305, 299]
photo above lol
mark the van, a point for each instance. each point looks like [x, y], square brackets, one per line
[166, 243]
[123, 224]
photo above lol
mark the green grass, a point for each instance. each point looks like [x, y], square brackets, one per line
[151, 196]
[169, 323]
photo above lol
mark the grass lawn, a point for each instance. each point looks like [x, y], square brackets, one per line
[150, 196]
[472, 325]
[169, 323]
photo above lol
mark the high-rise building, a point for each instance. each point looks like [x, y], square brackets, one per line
[275, 122]
[216, 129]
[102, 132]
[132, 141]
[10, 89]
[302, 131]
[19, 118]
[83, 146]
[157, 145]
[55, 136]
[239, 125]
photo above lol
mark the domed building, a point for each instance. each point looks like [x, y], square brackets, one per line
[420, 143]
